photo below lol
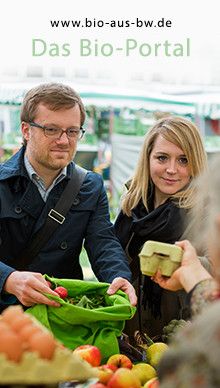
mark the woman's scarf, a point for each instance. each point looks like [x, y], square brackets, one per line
[164, 224]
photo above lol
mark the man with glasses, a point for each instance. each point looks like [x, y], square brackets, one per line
[31, 182]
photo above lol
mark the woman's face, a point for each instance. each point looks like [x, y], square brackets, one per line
[169, 169]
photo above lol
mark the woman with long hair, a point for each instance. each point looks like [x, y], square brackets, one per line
[155, 206]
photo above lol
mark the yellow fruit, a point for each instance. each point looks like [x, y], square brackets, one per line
[155, 352]
[144, 372]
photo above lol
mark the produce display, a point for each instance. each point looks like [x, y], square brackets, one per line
[120, 372]
[29, 353]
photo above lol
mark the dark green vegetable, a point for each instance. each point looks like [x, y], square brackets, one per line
[88, 301]
[171, 329]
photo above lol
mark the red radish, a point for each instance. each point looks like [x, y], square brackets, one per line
[61, 291]
[49, 283]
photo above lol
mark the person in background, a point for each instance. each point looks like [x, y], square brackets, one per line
[155, 206]
[31, 182]
[193, 359]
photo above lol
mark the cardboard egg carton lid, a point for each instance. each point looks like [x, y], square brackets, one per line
[171, 251]
[65, 366]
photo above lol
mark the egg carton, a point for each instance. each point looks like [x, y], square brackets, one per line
[86, 384]
[156, 256]
[65, 366]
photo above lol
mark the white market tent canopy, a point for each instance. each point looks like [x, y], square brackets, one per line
[202, 104]
[125, 149]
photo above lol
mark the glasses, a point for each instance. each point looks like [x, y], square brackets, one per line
[56, 133]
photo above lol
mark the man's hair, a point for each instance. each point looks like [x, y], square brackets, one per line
[54, 96]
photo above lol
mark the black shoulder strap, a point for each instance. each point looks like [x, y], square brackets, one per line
[54, 218]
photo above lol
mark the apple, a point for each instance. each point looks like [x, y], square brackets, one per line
[120, 361]
[89, 353]
[104, 373]
[98, 385]
[124, 378]
[112, 367]
[152, 383]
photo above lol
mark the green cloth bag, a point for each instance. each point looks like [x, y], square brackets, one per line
[75, 326]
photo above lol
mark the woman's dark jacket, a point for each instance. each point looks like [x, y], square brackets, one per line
[165, 224]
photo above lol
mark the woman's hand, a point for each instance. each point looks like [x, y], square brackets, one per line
[187, 275]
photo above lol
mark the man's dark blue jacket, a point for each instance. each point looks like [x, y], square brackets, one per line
[23, 212]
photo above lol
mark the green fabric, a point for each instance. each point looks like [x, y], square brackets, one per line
[75, 326]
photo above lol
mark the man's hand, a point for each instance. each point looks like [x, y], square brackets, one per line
[187, 275]
[124, 285]
[29, 287]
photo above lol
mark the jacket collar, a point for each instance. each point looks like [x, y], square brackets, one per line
[14, 166]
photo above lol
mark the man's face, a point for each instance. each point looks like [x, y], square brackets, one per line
[48, 154]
